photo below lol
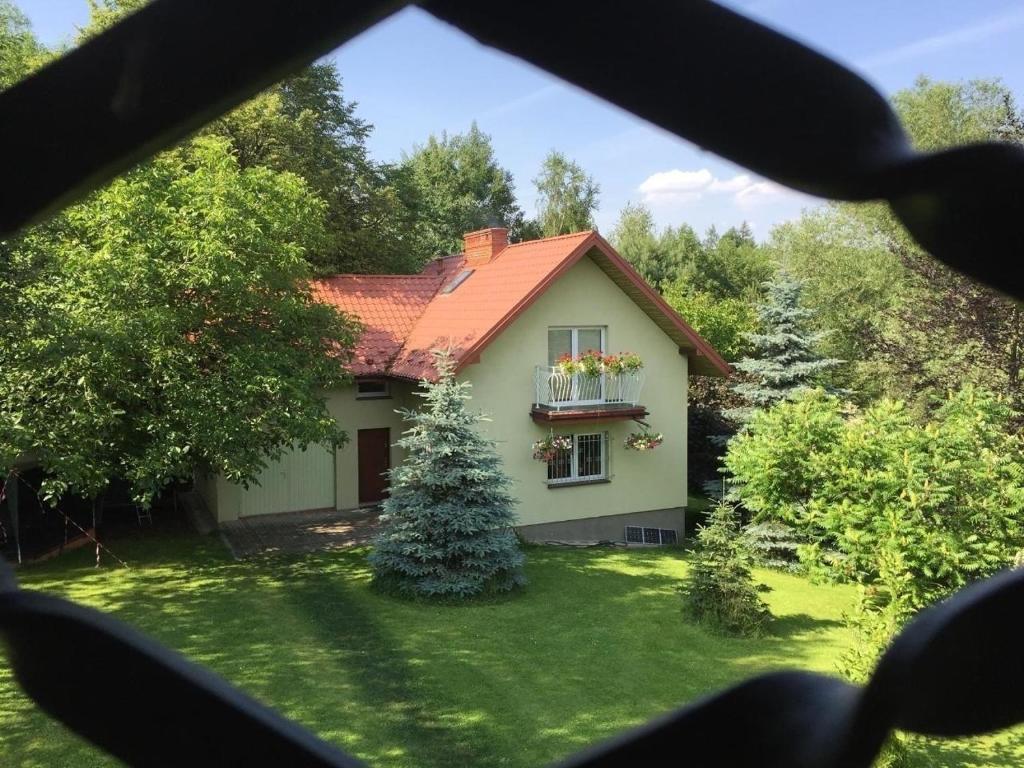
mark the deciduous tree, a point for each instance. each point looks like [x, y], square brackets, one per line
[20, 51]
[567, 195]
[911, 327]
[166, 323]
[461, 188]
[305, 126]
[731, 266]
[660, 258]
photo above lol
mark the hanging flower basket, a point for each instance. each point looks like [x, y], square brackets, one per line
[643, 441]
[547, 450]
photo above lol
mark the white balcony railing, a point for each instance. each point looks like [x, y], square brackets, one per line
[555, 389]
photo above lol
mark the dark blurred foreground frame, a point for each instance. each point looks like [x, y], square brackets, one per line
[170, 68]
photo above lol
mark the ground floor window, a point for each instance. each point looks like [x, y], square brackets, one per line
[587, 461]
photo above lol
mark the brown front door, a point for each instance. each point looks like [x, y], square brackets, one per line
[374, 446]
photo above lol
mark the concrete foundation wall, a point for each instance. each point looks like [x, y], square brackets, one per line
[606, 527]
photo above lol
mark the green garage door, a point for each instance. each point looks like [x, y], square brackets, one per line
[301, 480]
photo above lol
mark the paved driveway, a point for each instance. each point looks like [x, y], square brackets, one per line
[297, 532]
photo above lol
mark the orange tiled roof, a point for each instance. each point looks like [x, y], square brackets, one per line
[407, 316]
[387, 305]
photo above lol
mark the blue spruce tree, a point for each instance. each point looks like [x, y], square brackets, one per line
[447, 524]
[784, 360]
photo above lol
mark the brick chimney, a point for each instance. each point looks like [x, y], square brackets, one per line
[483, 245]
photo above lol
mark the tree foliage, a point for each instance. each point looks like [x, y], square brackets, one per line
[732, 266]
[784, 359]
[909, 511]
[774, 545]
[771, 459]
[946, 328]
[635, 239]
[850, 277]
[303, 125]
[447, 524]
[166, 323]
[914, 511]
[661, 258]
[911, 327]
[568, 196]
[20, 51]
[727, 324]
[708, 399]
[461, 188]
[719, 589]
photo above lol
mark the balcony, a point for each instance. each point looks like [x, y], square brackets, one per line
[605, 396]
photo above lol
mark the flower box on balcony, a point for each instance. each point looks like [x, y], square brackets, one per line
[580, 395]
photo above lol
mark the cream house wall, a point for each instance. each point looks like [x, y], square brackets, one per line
[306, 476]
[353, 414]
[503, 388]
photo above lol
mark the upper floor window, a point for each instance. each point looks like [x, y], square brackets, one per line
[574, 341]
[371, 388]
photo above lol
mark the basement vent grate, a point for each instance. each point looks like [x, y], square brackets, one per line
[636, 534]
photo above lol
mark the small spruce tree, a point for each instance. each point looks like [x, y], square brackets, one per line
[774, 545]
[447, 524]
[783, 361]
[719, 590]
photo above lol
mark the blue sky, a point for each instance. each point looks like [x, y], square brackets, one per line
[413, 76]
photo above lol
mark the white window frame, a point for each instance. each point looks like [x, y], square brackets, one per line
[575, 350]
[574, 464]
[575, 331]
[373, 395]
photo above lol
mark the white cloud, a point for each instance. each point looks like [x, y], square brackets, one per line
[669, 189]
[760, 193]
[671, 185]
[678, 186]
[975, 33]
[737, 183]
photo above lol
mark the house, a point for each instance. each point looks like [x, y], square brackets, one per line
[509, 313]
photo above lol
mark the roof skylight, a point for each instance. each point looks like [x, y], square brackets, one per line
[458, 280]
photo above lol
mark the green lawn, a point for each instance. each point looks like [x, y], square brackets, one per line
[596, 644]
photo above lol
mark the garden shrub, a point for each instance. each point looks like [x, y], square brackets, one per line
[909, 511]
[770, 463]
[720, 590]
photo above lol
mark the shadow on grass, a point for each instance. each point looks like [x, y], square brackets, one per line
[426, 732]
[799, 623]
